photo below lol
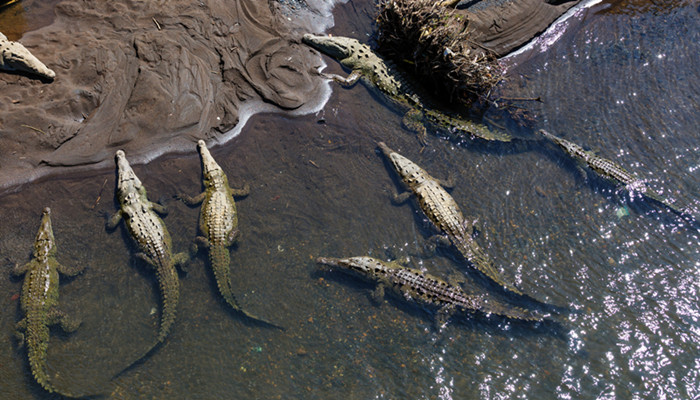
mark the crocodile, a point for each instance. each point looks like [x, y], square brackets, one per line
[218, 223]
[39, 302]
[442, 210]
[425, 289]
[383, 77]
[151, 237]
[15, 57]
[611, 172]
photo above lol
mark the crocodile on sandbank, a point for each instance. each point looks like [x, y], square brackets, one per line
[15, 57]
[382, 76]
[425, 289]
[611, 172]
[148, 231]
[39, 302]
[442, 210]
[218, 223]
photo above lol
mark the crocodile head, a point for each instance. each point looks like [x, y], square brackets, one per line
[15, 57]
[338, 47]
[409, 172]
[127, 181]
[569, 147]
[210, 168]
[44, 242]
[365, 266]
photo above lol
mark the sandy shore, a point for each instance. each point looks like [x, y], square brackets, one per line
[154, 77]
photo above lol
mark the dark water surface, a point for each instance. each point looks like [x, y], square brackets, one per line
[623, 81]
[24, 16]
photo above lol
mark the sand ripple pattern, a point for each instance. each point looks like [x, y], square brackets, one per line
[147, 77]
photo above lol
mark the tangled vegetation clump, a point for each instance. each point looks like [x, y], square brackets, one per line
[434, 39]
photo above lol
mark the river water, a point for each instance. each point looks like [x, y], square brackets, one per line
[622, 80]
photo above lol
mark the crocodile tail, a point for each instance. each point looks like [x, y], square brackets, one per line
[220, 260]
[482, 262]
[151, 349]
[169, 285]
[512, 312]
[220, 263]
[37, 346]
[464, 128]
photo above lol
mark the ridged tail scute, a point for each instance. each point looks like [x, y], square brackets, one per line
[37, 347]
[169, 285]
[483, 263]
[464, 127]
[220, 260]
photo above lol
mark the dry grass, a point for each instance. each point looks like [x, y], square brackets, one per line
[434, 39]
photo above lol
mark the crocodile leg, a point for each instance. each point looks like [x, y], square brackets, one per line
[180, 260]
[582, 172]
[233, 236]
[471, 227]
[397, 198]
[68, 271]
[242, 192]
[114, 220]
[403, 261]
[159, 208]
[443, 315]
[456, 280]
[191, 201]
[20, 329]
[348, 81]
[413, 121]
[437, 240]
[377, 295]
[199, 242]
[20, 270]
[448, 183]
[58, 317]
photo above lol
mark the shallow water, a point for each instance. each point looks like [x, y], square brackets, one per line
[622, 81]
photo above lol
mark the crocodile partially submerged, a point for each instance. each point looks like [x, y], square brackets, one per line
[218, 223]
[39, 302]
[383, 77]
[442, 210]
[611, 172]
[425, 289]
[151, 237]
[15, 57]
